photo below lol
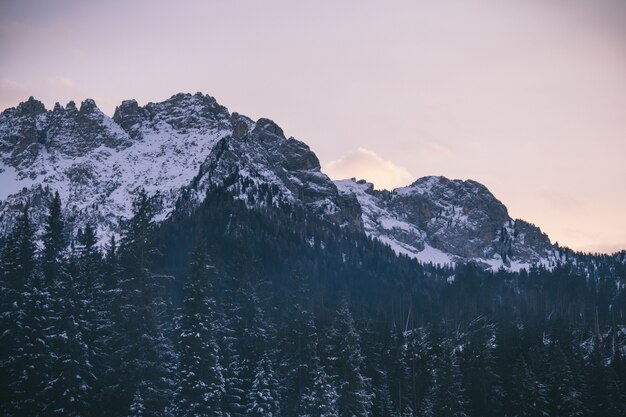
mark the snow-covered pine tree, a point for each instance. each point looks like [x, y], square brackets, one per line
[263, 398]
[138, 344]
[12, 306]
[70, 335]
[259, 355]
[347, 365]
[18, 255]
[24, 347]
[481, 382]
[200, 383]
[229, 317]
[32, 366]
[319, 400]
[415, 373]
[300, 361]
[110, 266]
[383, 404]
[137, 407]
[53, 241]
[447, 396]
[69, 391]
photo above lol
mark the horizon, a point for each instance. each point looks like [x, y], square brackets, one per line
[534, 108]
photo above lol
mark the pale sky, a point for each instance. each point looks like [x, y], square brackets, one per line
[526, 96]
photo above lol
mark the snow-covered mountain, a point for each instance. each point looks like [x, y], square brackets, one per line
[446, 221]
[179, 148]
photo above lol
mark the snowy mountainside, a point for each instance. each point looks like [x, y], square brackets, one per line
[98, 163]
[447, 221]
[179, 148]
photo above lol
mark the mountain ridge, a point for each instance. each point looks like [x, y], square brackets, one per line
[178, 148]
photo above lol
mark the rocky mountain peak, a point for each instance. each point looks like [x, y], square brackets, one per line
[31, 107]
[439, 220]
[70, 106]
[88, 106]
[128, 116]
[242, 125]
[268, 126]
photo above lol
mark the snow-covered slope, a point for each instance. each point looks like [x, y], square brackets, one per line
[179, 148]
[446, 221]
[97, 163]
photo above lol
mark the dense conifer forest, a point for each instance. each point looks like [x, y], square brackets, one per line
[227, 310]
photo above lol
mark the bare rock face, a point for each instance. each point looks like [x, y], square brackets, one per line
[269, 169]
[446, 221]
[21, 130]
[459, 217]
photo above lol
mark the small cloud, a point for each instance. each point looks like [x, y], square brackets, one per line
[368, 165]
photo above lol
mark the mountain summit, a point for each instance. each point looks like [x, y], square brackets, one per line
[178, 149]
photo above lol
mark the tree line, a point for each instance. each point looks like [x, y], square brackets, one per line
[227, 310]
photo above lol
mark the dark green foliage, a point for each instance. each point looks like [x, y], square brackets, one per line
[447, 395]
[346, 365]
[263, 398]
[18, 252]
[138, 337]
[53, 241]
[528, 394]
[200, 383]
[225, 310]
[481, 381]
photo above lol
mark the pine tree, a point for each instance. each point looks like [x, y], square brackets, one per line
[529, 394]
[415, 361]
[137, 344]
[446, 396]
[12, 307]
[24, 349]
[137, 407]
[32, 366]
[563, 396]
[604, 395]
[481, 382]
[70, 389]
[300, 362]
[200, 380]
[319, 400]
[347, 365]
[18, 255]
[111, 267]
[263, 398]
[53, 241]
[383, 404]
[233, 400]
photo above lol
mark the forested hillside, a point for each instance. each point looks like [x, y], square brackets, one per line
[230, 310]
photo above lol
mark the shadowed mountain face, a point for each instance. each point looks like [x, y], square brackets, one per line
[178, 149]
